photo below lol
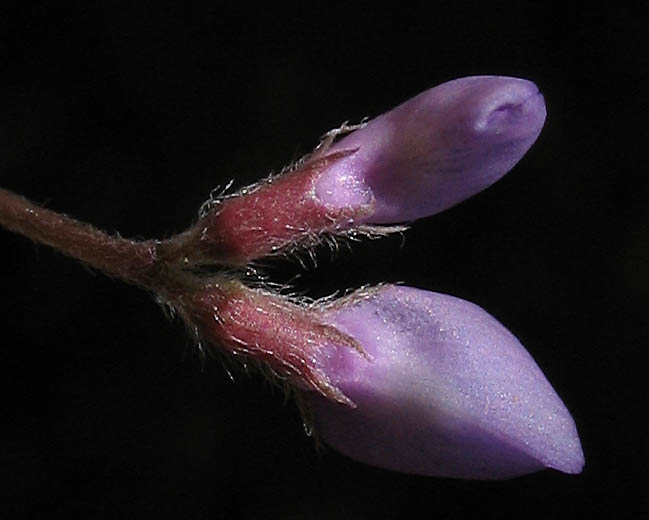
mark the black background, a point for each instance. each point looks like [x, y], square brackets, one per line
[127, 114]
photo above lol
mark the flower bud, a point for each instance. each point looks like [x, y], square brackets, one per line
[422, 157]
[436, 149]
[447, 391]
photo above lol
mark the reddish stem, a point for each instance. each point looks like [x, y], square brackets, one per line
[131, 261]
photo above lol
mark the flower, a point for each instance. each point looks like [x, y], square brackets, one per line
[397, 377]
[447, 391]
[422, 157]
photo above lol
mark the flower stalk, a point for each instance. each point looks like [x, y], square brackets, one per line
[128, 260]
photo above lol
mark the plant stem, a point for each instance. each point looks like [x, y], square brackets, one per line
[131, 261]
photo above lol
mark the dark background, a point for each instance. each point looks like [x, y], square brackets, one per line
[127, 114]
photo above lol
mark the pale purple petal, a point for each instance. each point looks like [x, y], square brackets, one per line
[436, 149]
[449, 392]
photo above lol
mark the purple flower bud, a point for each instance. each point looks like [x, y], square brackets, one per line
[448, 391]
[436, 149]
[422, 157]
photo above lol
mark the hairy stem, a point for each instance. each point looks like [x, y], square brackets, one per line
[131, 261]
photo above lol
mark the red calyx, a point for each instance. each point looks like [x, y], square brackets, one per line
[280, 212]
[289, 338]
